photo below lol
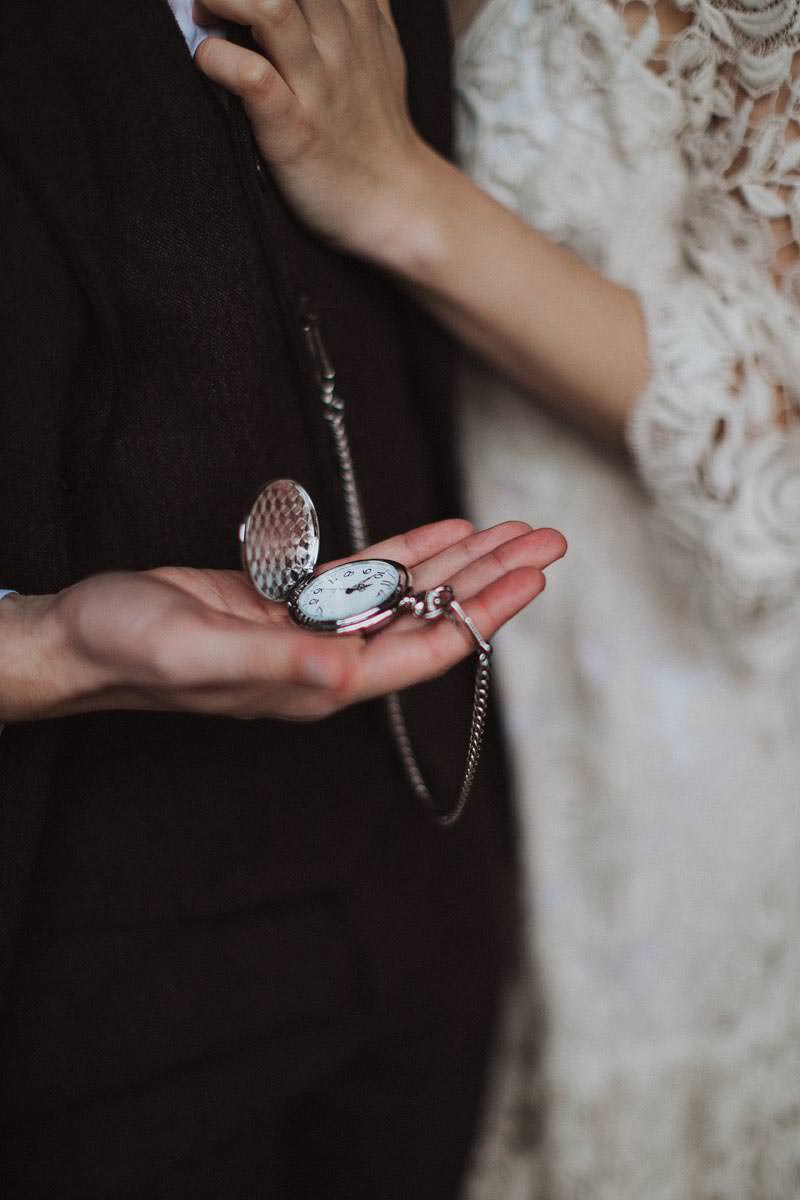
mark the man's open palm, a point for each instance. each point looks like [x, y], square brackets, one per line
[180, 639]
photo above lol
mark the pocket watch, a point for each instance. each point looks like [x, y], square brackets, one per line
[280, 546]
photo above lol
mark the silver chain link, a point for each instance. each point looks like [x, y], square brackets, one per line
[333, 409]
[356, 527]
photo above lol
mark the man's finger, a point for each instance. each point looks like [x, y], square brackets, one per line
[532, 549]
[440, 568]
[413, 547]
[393, 663]
[514, 545]
[238, 652]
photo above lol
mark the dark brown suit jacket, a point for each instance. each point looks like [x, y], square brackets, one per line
[152, 377]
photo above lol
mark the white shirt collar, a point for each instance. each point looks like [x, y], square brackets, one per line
[195, 35]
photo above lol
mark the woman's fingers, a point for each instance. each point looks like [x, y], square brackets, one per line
[349, 124]
[248, 12]
[281, 29]
[324, 17]
[253, 77]
[387, 14]
[202, 15]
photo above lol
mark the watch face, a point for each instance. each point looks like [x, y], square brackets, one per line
[352, 596]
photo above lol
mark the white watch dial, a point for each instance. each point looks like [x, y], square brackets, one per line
[349, 589]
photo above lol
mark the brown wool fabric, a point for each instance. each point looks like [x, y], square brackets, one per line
[172, 888]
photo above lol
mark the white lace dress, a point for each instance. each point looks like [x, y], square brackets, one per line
[653, 695]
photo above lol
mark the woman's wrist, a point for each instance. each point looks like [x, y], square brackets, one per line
[401, 224]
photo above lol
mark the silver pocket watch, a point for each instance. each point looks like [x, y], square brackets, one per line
[280, 547]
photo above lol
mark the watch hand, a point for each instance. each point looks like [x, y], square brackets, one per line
[359, 587]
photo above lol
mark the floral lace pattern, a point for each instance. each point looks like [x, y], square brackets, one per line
[734, 68]
[716, 435]
[652, 696]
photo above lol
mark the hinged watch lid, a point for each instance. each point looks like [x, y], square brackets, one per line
[280, 538]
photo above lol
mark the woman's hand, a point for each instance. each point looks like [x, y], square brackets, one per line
[176, 639]
[326, 101]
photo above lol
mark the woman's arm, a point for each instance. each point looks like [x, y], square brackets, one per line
[327, 103]
[552, 323]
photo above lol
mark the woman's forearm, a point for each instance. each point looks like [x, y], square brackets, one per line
[556, 326]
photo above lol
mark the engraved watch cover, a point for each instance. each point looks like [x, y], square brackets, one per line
[280, 539]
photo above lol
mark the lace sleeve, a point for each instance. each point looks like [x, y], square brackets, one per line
[715, 434]
[723, 473]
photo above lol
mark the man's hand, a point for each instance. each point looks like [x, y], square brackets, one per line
[183, 640]
[326, 101]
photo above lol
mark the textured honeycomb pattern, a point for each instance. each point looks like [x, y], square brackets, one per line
[281, 538]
